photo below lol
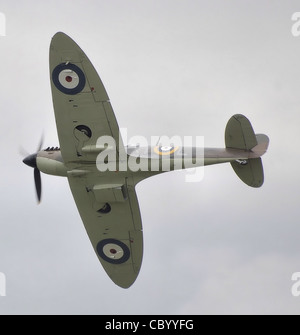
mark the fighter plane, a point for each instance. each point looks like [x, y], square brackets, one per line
[106, 199]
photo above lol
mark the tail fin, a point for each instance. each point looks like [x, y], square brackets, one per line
[239, 134]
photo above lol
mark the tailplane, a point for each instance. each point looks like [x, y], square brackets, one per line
[239, 134]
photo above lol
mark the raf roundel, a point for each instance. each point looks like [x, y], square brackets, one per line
[165, 150]
[113, 251]
[68, 78]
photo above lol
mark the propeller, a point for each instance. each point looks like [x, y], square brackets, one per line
[30, 160]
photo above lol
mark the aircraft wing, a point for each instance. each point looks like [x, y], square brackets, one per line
[114, 227]
[82, 109]
[107, 201]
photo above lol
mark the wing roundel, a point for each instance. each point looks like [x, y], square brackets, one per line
[68, 78]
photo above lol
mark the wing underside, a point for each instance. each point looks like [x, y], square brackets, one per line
[82, 108]
[107, 205]
[114, 227]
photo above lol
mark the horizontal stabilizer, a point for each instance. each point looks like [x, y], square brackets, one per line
[251, 173]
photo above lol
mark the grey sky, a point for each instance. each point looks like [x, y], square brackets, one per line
[170, 68]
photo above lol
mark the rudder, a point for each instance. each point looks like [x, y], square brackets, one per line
[239, 133]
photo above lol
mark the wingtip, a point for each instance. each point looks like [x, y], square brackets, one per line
[123, 283]
[61, 41]
[59, 34]
[61, 38]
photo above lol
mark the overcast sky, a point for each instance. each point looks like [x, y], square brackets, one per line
[170, 67]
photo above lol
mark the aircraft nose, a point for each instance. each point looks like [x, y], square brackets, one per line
[30, 160]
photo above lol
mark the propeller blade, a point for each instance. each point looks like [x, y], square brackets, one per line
[23, 152]
[38, 183]
[41, 143]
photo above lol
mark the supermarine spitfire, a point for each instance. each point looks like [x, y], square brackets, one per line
[106, 199]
